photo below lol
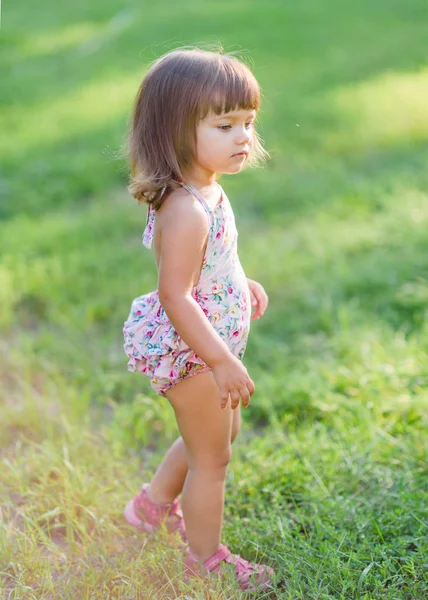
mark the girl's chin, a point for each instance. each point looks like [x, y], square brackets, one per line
[230, 169]
[235, 169]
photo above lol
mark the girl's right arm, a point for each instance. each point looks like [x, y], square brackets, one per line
[183, 230]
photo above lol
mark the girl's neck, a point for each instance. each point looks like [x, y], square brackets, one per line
[201, 178]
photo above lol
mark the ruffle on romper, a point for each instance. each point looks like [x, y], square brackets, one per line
[152, 344]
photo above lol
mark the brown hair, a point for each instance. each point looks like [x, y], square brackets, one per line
[179, 89]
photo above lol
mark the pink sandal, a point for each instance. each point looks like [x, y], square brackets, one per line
[251, 577]
[146, 515]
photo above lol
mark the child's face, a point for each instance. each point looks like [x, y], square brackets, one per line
[223, 141]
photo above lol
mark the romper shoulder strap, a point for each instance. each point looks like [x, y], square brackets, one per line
[194, 192]
[150, 225]
[149, 230]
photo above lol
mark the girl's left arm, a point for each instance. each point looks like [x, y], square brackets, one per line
[259, 298]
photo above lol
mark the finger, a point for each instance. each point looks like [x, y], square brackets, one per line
[234, 399]
[251, 387]
[261, 307]
[257, 313]
[263, 301]
[224, 398]
[245, 396]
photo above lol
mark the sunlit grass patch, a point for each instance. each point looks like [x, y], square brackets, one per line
[77, 111]
[64, 484]
[389, 109]
[54, 41]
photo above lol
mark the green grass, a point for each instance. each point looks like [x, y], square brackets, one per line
[328, 480]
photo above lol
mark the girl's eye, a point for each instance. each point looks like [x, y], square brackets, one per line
[227, 127]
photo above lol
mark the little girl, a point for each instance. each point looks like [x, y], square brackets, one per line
[194, 119]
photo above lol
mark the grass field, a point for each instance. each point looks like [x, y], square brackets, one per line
[328, 481]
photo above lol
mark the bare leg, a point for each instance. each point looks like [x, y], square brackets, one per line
[169, 478]
[168, 481]
[206, 430]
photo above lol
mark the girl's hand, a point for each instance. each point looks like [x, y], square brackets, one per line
[233, 380]
[259, 298]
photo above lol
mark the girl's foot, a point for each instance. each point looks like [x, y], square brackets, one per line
[146, 515]
[251, 577]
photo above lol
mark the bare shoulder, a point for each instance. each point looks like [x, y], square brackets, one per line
[182, 211]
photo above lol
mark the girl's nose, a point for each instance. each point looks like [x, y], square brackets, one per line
[243, 137]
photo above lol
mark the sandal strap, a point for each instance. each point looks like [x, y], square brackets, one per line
[153, 512]
[249, 576]
[243, 568]
[213, 562]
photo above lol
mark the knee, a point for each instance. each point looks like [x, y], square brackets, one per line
[212, 462]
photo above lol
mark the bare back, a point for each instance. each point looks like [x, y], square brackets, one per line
[180, 236]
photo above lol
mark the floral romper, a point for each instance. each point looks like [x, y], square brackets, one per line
[153, 345]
